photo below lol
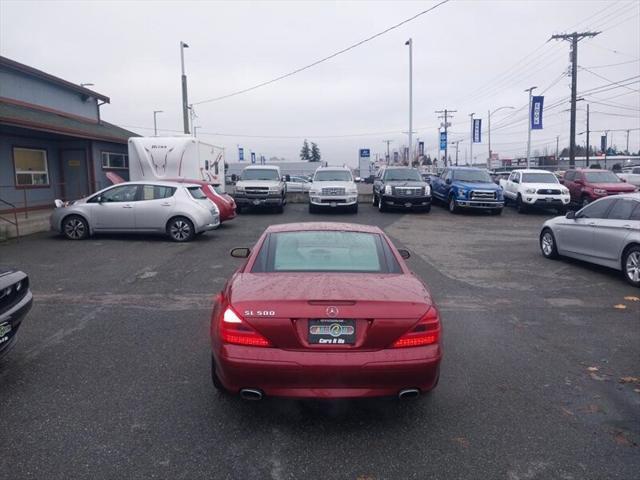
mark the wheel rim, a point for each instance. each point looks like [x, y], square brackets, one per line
[373, 200]
[74, 228]
[452, 205]
[380, 207]
[180, 230]
[633, 266]
[547, 244]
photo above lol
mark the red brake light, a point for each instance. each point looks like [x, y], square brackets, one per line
[235, 330]
[425, 332]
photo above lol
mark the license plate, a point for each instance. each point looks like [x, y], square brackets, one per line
[407, 204]
[549, 199]
[333, 204]
[331, 331]
[256, 202]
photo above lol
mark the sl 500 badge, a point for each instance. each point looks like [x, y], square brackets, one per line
[259, 313]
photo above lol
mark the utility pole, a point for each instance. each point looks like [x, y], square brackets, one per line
[410, 43]
[587, 153]
[456, 143]
[557, 149]
[388, 157]
[155, 123]
[627, 150]
[574, 38]
[471, 142]
[185, 102]
[447, 115]
[530, 89]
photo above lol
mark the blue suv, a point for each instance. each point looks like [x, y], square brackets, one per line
[467, 187]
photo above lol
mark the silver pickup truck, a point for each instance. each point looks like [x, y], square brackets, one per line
[261, 186]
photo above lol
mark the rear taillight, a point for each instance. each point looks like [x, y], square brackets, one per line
[233, 329]
[425, 332]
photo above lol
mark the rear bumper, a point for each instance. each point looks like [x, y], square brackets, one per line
[406, 202]
[14, 317]
[283, 373]
[243, 201]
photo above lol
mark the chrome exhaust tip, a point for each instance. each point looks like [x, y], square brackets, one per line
[250, 394]
[408, 393]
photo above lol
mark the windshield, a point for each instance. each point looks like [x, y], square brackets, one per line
[260, 174]
[333, 176]
[197, 193]
[325, 251]
[479, 176]
[539, 178]
[601, 177]
[402, 174]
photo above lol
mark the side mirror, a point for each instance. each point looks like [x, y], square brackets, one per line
[624, 180]
[448, 181]
[240, 252]
[287, 178]
[404, 253]
[206, 164]
[234, 177]
[571, 215]
[99, 199]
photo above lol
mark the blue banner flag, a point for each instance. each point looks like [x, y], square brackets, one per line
[240, 154]
[365, 153]
[443, 140]
[253, 157]
[420, 148]
[536, 113]
[477, 130]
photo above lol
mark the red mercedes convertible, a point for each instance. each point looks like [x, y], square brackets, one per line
[324, 310]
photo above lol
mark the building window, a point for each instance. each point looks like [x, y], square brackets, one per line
[31, 167]
[115, 160]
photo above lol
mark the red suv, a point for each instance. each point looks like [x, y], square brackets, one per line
[587, 185]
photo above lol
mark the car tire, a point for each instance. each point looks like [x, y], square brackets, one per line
[180, 229]
[631, 265]
[584, 201]
[354, 209]
[214, 377]
[75, 227]
[427, 209]
[520, 206]
[280, 209]
[381, 206]
[312, 208]
[548, 245]
[374, 201]
[453, 205]
[496, 211]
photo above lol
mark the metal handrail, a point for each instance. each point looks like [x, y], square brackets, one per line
[15, 218]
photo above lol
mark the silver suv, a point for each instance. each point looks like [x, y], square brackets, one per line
[333, 187]
[261, 186]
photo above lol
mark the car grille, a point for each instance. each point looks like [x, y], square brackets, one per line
[408, 191]
[483, 195]
[10, 295]
[548, 191]
[256, 192]
[333, 191]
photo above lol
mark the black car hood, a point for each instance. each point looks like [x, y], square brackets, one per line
[5, 270]
[405, 183]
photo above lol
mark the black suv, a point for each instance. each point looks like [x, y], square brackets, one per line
[401, 187]
[15, 302]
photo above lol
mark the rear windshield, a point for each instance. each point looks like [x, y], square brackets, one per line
[260, 174]
[401, 174]
[480, 176]
[539, 178]
[333, 176]
[601, 177]
[197, 193]
[325, 251]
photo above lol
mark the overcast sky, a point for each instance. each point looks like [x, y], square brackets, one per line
[469, 56]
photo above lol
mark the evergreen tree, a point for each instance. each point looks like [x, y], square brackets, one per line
[305, 153]
[315, 153]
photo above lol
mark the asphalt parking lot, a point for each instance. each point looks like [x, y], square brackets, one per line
[110, 376]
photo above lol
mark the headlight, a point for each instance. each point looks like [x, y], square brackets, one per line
[599, 191]
[530, 190]
[352, 190]
[314, 192]
[427, 190]
[274, 189]
[565, 191]
[462, 193]
[239, 188]
[387, 190]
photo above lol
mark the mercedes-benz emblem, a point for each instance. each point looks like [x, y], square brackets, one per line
[332, 312]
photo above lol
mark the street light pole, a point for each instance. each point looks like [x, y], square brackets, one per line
[410, 43]
[155, 123]
[185, 102]
[530, 89]
[471, 143]
[489, 130]
[195, 130]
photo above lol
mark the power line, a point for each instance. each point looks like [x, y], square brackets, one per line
[329, 57]
[605, 78]
[613, 64]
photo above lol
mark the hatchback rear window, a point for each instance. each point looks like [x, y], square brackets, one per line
[325, 251]
[197, 193]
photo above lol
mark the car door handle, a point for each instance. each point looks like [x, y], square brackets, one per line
[592, 224]
[166, 204]
[127, 206]
[628, 227]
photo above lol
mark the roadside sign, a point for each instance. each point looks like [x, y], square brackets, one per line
[240, 154]
[364, 153]
[443, 140]
[253, 157]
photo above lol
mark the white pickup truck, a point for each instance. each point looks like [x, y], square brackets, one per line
[535, 188]
[631, 175]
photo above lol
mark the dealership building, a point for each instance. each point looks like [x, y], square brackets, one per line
[53, 141]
